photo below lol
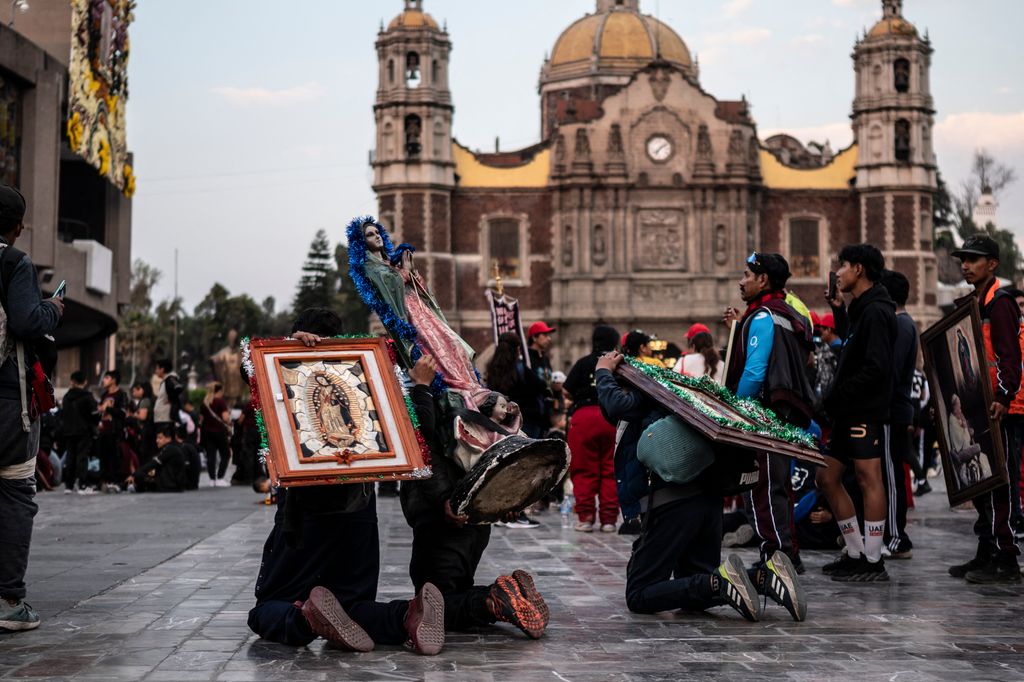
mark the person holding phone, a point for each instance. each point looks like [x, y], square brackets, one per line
[27, 318]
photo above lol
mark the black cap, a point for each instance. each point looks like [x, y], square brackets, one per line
[978, 245]
[12, 204]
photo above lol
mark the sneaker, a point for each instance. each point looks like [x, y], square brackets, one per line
[523, 521]
[424, 621]
[584, 526]
[738, 537]
[526, 587]
[842, 562]
[901, 553]
[630, 527]
[508, 604]
[68, 491]
[17, 615]
[87, 490]
[327, 619]
[862, 571]
[961, 570]
[1018, 530]
[923, 488]
[735, 587]
[995, 572]
[607, 527]
[777, 579]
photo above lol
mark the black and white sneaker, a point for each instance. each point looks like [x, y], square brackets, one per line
[842, 563]
[735, 587]
[862, 571]
[777, 578]
[523, 521]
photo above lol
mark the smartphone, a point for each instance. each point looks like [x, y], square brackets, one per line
[59, 291]
[833, 286]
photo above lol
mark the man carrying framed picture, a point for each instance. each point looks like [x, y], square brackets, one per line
[996, 558]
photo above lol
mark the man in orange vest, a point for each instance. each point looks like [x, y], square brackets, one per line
[996, 558]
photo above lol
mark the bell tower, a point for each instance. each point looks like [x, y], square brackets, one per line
[893, 120]
[413, 171]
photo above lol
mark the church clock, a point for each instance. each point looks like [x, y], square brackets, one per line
[659, 148]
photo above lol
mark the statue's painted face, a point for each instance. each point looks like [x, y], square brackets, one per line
[500, 410]
[372, 237]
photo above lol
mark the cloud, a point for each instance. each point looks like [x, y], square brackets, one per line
[734, 8]
[1003, 90]
[808, 40]
[298, 94]
[970, 130]
[743, 36]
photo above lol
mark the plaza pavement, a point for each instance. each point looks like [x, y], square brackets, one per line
[157, 587]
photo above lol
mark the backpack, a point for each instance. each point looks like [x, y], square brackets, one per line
[8, 259]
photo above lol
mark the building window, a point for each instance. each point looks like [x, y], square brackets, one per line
[901, 75]
[435, 72]
[413, 130]
[391, 72]
[412, 70]
[902, 142]
[10, 131]
[804, 247]
[503, 245]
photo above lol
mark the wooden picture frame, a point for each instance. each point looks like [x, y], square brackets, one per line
[734, 424]
[971, 445]
[334, 413]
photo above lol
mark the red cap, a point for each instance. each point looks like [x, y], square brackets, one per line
[622, 341]
[828, 320]
[696, 329]
[815, 319]
[539, 328]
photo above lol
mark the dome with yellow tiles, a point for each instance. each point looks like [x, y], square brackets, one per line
[616, 39]
[895, 26]
[413, 17]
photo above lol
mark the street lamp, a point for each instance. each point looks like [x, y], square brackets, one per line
[17, 6]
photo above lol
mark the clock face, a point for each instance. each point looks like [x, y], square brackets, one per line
[659, 148]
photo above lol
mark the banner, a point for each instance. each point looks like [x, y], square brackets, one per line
[505, 318]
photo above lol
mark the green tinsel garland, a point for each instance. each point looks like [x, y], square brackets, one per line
[765, 423]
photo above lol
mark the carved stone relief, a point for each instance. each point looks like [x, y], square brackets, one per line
[660, 240]
[615, 141]
[567, 247]
[600, 255]
[660, 81]
[662, 292]
[582, 151]
[704, 150]
[721, 244]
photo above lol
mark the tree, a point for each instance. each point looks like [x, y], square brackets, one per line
[348, 304]
[316, 287]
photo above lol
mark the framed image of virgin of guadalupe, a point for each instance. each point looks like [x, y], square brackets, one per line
[334, 413]
[973, 459]
[717, 414]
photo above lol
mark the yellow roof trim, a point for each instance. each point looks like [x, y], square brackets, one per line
[473, 173]
[836, 175]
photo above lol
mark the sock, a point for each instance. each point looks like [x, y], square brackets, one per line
[873, 531]
[852, 537]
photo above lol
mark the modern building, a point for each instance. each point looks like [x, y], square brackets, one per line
[63, 86]
[646, 194]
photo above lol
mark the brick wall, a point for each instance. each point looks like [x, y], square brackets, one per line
[908, 266]
[903, 220]
[440, 226]
[840, 209]
[413, 219]
[874, 210]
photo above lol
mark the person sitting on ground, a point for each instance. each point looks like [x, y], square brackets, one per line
[165, 472]
[193, 462]
[321, 562]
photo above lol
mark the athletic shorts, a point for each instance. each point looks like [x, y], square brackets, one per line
[857, 441]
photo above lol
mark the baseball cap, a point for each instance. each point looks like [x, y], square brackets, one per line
[12, 203]
[539, 328]
[978, 245]
[696, 329]
[827, 320]
[815, 319]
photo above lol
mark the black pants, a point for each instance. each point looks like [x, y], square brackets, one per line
[769, 506]
[898, 449]
[76, 465]
[995, 536]
[448, 557]
[112, 466]
[672, 560]
[340, 552]
[17, 510]
[215, 442]
[1015, 427]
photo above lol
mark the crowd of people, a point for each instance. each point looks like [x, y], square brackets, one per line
[850, 376]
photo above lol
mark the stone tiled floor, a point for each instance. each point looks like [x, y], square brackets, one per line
[157, 588]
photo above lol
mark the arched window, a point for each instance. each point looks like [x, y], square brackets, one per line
[503, 245]
[902, 140]
[412, 70]
[901, 75]
[413, 130]
[805, 247]
[391, 72]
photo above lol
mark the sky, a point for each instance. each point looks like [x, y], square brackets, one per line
[251, 121]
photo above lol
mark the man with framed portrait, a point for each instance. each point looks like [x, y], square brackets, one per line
[996, 558]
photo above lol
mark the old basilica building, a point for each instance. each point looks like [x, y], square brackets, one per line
[646, 194]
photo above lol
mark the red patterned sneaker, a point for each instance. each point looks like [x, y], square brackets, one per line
[508, 604]
[529, 590]
[327, 619]
[425, 621]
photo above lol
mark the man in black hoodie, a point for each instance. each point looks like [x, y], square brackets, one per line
[858, 405]
[78, 431]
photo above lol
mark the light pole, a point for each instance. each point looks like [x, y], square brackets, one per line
[17, 6]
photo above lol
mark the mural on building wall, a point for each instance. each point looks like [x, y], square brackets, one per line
[98, 89]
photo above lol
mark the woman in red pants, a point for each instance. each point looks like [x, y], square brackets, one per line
[592, 440]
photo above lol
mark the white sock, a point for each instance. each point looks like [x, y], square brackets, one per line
[852, 537]
[873, 531]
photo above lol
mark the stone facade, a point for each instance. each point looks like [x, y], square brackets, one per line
[644, 198]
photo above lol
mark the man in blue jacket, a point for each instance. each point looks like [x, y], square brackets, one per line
[25, 317]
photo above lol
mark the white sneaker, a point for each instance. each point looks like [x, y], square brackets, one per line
[223, 483]
[607, 527]
[87, 490]
[584, 526]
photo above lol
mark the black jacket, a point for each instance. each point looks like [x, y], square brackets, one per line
[423, 500]
[862, 386]
[169, 468]
[78, 415]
